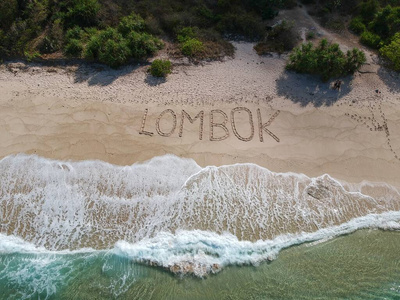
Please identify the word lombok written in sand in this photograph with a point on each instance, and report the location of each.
(216, 119)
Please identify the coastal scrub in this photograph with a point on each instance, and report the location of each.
(325, 60)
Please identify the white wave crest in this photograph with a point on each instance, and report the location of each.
(201, 252)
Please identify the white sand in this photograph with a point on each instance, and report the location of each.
(81, 113)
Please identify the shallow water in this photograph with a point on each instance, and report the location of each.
(362, 265)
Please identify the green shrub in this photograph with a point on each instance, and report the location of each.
(368, 10)
(380, 25)
(392, 52)
(3, 45)
(357, 26)
(354, 60)
(109, 47)
(131, 23)
(326, 60)
(386, 22)
(49, 45)
(310, 35)
(143, 44)
(93, 47)
(192, 47)
(160, 68)
(115, 53)
(8, 12)
(370, 39)
(280, 38)
(30, 56)
(83, 13)
(241, 23)
(74, 33)
(187, 33)
(73, 48)
(53, 41)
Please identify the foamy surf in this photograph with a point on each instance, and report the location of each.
(201, 252)
(170, 212)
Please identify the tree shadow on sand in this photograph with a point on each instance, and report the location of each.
(154, 81)
(305, 89)
(97, 74)
(390, 78)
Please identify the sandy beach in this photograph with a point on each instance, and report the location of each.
(92, 112)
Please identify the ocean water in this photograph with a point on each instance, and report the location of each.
(169, 229)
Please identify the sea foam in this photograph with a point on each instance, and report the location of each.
(172, 213)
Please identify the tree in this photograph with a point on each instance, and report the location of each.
(392, 52)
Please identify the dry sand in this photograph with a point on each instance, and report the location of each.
(83, 112)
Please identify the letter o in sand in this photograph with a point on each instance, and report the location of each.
(173, 125)
(236, 109)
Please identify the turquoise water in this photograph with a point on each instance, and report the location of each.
(362, 265)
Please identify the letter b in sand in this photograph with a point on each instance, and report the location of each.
(220, 125)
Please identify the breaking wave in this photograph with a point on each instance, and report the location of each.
(170, 212)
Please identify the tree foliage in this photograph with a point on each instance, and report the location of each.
(325, 60)
(392, 52)
(378, 23)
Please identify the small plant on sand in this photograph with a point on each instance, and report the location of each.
(326, 60)
(160, 68)
(310, 35)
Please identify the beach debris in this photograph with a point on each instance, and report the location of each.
(337, 85)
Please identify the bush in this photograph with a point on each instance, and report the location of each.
(386, 22)
(357, 26)
(370, 39)
(187, 33)
(368, 10)
(192, 47)
(241, 23)
(93, 47)
(83, 13)
(8, 12)
(30, 56)
(392, 52)
(48, 45)
(115, 53)
(280, 38)
(3, 45)
(326, 60)
(160, 68)
(143, 44)
(53, 41)
(73, 48)
(109, 47)
(131, 23)
(74, 33)
(310, 35)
